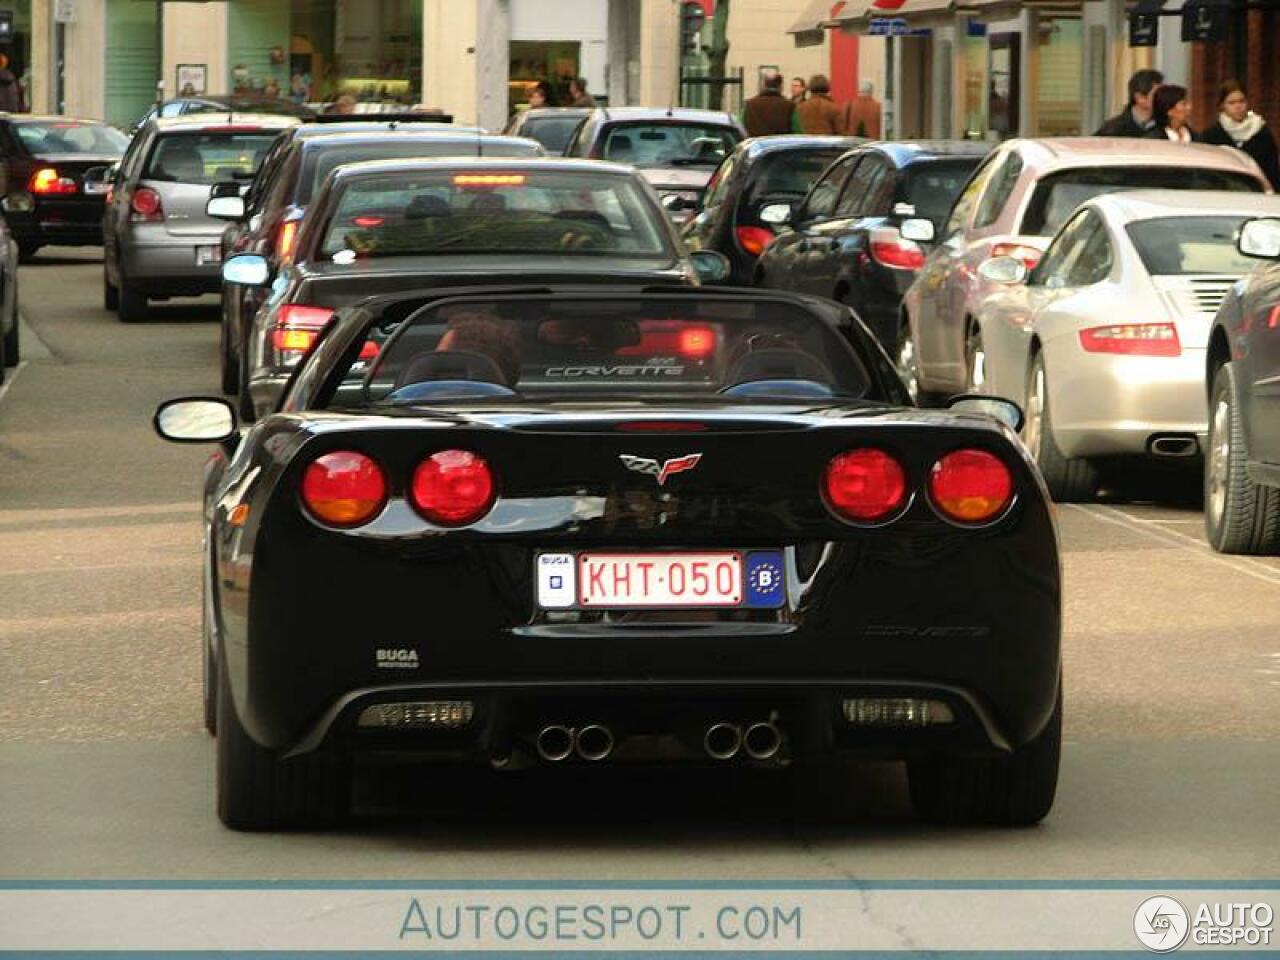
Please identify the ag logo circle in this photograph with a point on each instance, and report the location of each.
(1161, 924)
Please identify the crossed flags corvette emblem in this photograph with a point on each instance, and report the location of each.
(660, 470)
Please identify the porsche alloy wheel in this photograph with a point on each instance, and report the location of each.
(1070, 479)
(1014, 790)
(1240, 516)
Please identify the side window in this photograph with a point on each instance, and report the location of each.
(129, 163)
(959, 217)
(863, 188)
(1003, 180)
(172, 109)
(821, 201)
(718, 188)
(1093, 263)
(1053, 268)
(256, 195)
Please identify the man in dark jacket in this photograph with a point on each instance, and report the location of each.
(820, 114)
(1135, 120)
(769, 112)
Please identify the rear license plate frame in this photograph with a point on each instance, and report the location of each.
(96, 188)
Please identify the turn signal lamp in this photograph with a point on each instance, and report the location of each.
(344, 488)
(453, 488)
(865, 485)
(46, 182)
(753, 240)
(970, 486)
(1133, 339)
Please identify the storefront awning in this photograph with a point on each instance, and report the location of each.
(808, 28)
(856, 17)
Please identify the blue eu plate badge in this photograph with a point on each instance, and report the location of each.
(766, 585)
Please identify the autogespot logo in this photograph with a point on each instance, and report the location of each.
(1161, 924)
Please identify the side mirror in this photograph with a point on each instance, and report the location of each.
(711, 265)
(225, 208)
(195, 420)
(776, 214)
(97, 175)
(1008, 271)
(228, 188)
(998, 408)
(1260, 238)
(246, 269)
(676, 203)
(918, 230)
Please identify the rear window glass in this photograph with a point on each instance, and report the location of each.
(931, 188)
(319, 163)
(1058, 194)
(1174, 246)
(207, 157)
(668, 144)
(552, 132)
(538, 348)
(69, 136)
(789, 174)
(574, 213)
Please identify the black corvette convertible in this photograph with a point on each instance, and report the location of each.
(523, 526)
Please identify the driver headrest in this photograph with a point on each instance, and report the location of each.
(450, 365)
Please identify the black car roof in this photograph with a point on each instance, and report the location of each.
(755, 147)
(903, 153)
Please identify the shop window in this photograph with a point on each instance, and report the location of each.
(1061, 40)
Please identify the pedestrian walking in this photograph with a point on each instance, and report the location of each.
(578, 96)
(768, 112)
(1240, 127)
(541, 96)
(820, 114)
(10, 89)
(862, 114)
(799, 90)
(1137, 119)
(1170, 109)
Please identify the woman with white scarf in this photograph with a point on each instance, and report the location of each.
(1240, 127)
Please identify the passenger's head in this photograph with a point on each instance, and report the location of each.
(798, 86)
(818, 83)
(1169, 106)
(1233, 100)
(1142, 86)
(771, 83)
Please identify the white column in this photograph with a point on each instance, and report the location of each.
(492, 61)
(465, 59)
(623, 50)
(659, 68)
(196, 33)
(86, 64)
(1029, 75)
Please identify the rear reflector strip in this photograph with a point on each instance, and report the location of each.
(897, 712)
(437, 714)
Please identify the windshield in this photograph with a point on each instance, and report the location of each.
(70, 136)
(563, 212)
(320, 162)
(553, 132)
(208, 157)
(790, 173)
(1058, 194)
(932, 187)
(668, 144)
(1175, 246)
(539, 348)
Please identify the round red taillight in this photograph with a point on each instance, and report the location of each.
(146, 202)
(344, 488)
(453, 488)
(865, 485)
(970, 486)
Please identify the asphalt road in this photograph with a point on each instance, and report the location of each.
(1171, 767)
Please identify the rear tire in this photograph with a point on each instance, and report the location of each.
(258, 790)
(230, 365)
(27, 251)
(1240, 516)
(12, 352)
(1070, 479)
(110, 295)
(131, 303)
(1015, 790)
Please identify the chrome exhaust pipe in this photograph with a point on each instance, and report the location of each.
(762, 741)
(594, 742)
(1174, 446)
(722, 741)
(555, 743)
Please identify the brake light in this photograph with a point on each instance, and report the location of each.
(970, 486)
(890, 249)
(1029, 256)
(344, 488)
(368, 350)
(753, 240)
(661, 426)
(286, 238)
(453, 488)
(368, 222)
(696, 343)
(1133, 339)
(865, 485)
(146, 205)
(46, 182)
(489, 180)
(296, 330)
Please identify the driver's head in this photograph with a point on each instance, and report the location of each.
(479, 331)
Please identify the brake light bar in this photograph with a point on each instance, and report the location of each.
(1133, 339)
(489, 180)
(47, 181)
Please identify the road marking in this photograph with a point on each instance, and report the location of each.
(13, 375)
(1180, 541)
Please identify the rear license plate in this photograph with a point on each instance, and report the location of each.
(207, 255)
(96, 186)
(709, 579)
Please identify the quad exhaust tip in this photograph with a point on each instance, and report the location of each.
(762, 741)
(594, 742)
(555, 743)
(722, 741)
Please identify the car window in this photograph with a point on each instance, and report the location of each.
(958, 219)
(452, 212)
(70, 136)
(718, 185)
(205, 157)
(266, 178)
(1056, 262)
(1093, 262)
(668, 144)
(172, 109)
(997, 194)
(821, 201)
(788, 175)
(930, 187)
(1178, 246)
(863, 188)
(1057, 194)
(552, 131)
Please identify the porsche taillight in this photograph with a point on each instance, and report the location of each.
(453, 488)
(1133, 339)
(866, 485)
(344, 488)
(970, 486)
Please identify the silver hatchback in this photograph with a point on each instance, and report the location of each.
(158, 240)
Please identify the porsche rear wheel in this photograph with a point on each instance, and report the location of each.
(1070, 479)
(257, 789)
(1240, 516)
(1015, 790)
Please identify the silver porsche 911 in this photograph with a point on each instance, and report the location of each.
(1104, 341)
